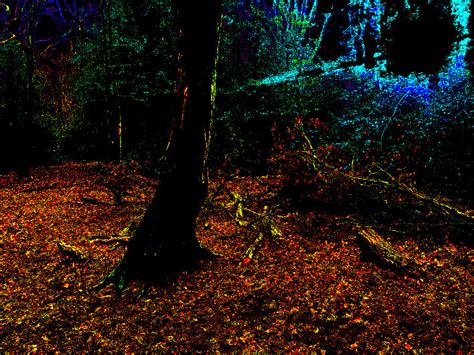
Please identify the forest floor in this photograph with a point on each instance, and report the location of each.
(283, 281)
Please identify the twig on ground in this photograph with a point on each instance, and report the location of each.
(71, 252)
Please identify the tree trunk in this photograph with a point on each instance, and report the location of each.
(165, 239)
(26, 134)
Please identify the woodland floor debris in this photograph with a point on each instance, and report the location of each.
(304, 288)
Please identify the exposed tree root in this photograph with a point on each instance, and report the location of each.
(116, 277)
(154, 267)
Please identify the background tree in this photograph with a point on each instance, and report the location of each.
(19, 20)
(35, 38)
(125, 72)
(165, 239)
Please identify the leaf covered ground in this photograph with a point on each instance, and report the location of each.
(285, 280)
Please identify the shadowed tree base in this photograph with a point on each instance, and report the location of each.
(165, 241)
(156, 267)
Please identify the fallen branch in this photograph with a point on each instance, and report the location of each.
(263, 224)
(442, 207)
(249, 253)
(122, 237)
(111, 240)
(422, 200)
(71, 252)
(375, 247)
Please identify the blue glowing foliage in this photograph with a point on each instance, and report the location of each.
(349, 81)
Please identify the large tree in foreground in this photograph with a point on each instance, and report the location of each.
(165, 239)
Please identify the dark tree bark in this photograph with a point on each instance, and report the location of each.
(165, 239)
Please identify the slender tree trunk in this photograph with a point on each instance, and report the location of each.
(109, 101)
(26, 136)
(165, 240)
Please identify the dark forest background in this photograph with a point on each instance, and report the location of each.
(87, 80)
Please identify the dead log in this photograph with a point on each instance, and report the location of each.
(375, 248)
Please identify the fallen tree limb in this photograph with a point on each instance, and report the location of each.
(421, 199)
(411, 191)
(260, 223)
(263, 224)
(249, 253)
(373, 246)
(122, 237)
